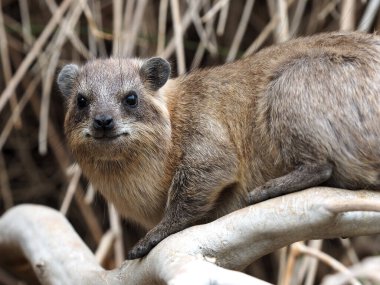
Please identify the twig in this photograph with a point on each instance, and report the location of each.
(104, 246)
(282, 29)
(128, 24)
(100, 47)
(29, 92)
(55, 142)
(271, 7)
(347, 16)
(296, 21)
(265, 33)
(90, 194)
(92, 24)
(6, 192)
(327, 10)
(128, 15)
(88, 215)
(201, 47)
(262, 37)
(282, 264)
(178, 34)
(49, 75)
(186, 21)
(313, 262)
(71, 190)
(203, 35)
(116, 229)
(17, 27)
(350, 251)
(6, 64)
(302, 269)
(214, 10)
(247, 10)
(369, 15)
(130, 42)
(25, 22)
(34, 52)
(162, 16)
(117, 10)
(42, 57)
(327, 259)
(222, 19)
(74, 39)
(290, 264)
(367, 270)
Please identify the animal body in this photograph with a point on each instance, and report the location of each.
(170, 153)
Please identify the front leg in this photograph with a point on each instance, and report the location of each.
(193, 193)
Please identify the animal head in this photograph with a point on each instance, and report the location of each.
(114, 107)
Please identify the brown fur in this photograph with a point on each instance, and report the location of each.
(292, 116)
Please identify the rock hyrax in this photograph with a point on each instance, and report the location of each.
(170, 153)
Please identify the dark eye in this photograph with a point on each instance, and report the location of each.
(82, 102)
(131, 99)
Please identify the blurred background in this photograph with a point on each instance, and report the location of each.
(37, 37)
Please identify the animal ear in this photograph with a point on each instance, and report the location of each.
(66, 78)
(155, 72)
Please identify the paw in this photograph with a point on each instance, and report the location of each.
(143, 247)
(138, 251)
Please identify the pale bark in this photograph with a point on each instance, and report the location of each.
(197, 255)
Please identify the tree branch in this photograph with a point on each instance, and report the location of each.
(57, 253)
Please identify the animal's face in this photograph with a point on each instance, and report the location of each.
(114, 108)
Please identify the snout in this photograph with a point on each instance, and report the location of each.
(103, 127)
(103, 122)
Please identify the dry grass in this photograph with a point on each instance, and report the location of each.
(37, 37)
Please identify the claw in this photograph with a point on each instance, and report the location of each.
(142, 248)
(135, 253)
(152, 238)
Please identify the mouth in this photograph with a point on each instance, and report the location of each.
(106, 137)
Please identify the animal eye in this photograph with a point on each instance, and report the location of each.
(131, 99)
(82, 102)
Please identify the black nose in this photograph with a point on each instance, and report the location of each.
(104, 122)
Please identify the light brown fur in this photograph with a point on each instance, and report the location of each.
(292, 116)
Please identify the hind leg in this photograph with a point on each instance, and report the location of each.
(304, 176)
